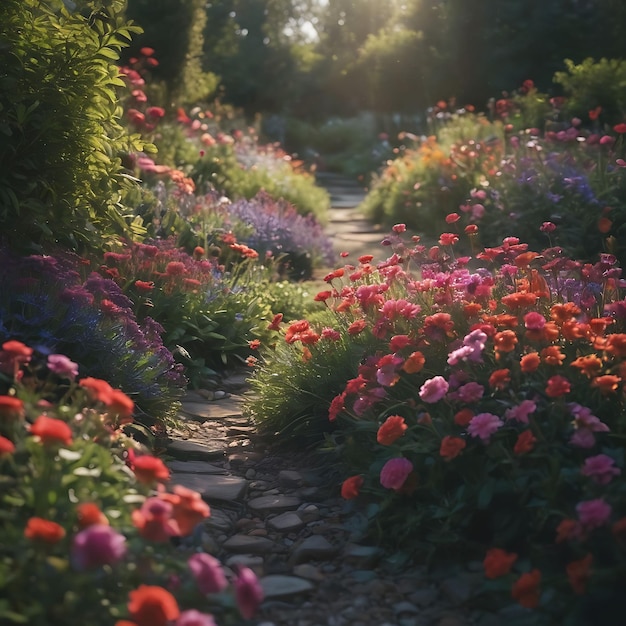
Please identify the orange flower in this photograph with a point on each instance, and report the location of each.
(89, 514)
(356, 327)
(562, 312)
(351, 487)
(149, 469)
(519, 300)
(189, 508)
(552, 355)
(607, 384)
(578, 573)
(525, 442)
(98, 389)
(451, 447)
(121, 406)
(152, 606)
(604, 225)
(390, 430)
(472, 309)
(525, 259)
(571, 330)
(589, 364)
(526, 589)
(51, 431)
(499, 379)
(505, 341)
(616, 344)
(463, 417)
(46, 531)
(498, 562)
(414, 363)
(566, 530)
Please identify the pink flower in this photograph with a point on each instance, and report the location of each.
(195, 618)
(97, 545)
(484, 425)
(434, 389)
(601, 468)
(60, 365)
(534, 321)
(548, 227)
(521, 411)
(471, 392)
(394, 473)
(593, 513)
(248, 592)
(207, 572)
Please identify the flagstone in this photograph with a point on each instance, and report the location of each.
(212, 487)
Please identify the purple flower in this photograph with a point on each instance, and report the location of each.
(601, 468)
(60, 365)
(471, 392)
(434, 389)
(394, 473)
(97, 545)
(521, 411)
(207, 572)
(593, 513)
(248, 592)
(484, 425)
(195, 618)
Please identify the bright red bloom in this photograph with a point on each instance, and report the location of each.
(351, 487)
(336, 406)
(322, 296)
(391, 429)
(498, 562)
(51, 431)
(155, 112)
(149, 469)
(499, 379)
(98, 389)
(525, 442)
(530, 362)
(143, 286)
(526, 589)
(11, 407)
(578, 573)
(13, 354)
(451, 447)
(356, 327)
(620, 128)
(189, 508)
(463, 417)
(152, 606)
(46, 531)
(557, 386)
(89, 514)
(121, 405)
(275, 323)
(6, 446)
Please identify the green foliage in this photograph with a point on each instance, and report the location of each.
(592, 83)
(61, 180)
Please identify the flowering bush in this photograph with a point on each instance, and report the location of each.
(48, 304)
(86, 520)
(488, 409)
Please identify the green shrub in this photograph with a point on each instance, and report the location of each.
(61, 180)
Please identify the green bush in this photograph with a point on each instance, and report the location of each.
(61, 180)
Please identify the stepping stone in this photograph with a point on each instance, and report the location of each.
(196, 450)
(228, 407)
(247, 560)
(274, 503)
(312, 548)
(286, 522)
(211, 487)
(246, 544)
(195, 467)
(290, 478)
(219, 520)
(362, 556)
(279, 586)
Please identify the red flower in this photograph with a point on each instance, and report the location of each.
(463, 417)
(98, 389)
(322, 296)
(121, 405)
(566, 530)
(51, 431)
(149, 469)
(155, 112)
(89, 514)
(451, 447)
(526, 589)
(607, 384)
(498, 562)
(595, 113)
(39, 529)
(525, 442)
(356, 327)
(189, 508)
(351, 487)
(152, 606)
(620, 128)
(390, 430)
(578, 573)
(6, 446)
(414, 363)
(144, 287)
(505, 340)
(11, 408)
(147, 52)
(12, 355)
(530, 362)
(557, 386)
(499, 379)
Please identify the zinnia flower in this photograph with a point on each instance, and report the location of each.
(97, 545)
(395, 472)
(51, 431)
(392, 429)
(189, 508)
(207, 572)
(152, 606)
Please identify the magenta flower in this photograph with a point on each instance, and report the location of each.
(195, 618)
(394, 473)
(97, 545)
(548, 227)
(470, 392)
(534, 321)
(593, 513)
(460, 354)
(60, 365)
(248, 592)
(207, 572)
(521, 411)
(484, 425)
(434, 389)
(601, 468)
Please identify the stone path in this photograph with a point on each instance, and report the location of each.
(281, 513)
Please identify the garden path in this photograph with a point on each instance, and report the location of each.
(280, 513)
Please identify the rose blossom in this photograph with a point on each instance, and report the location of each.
(434, 389)
(207, 572)
(394, 473)
(484, 425)
(97, 545)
